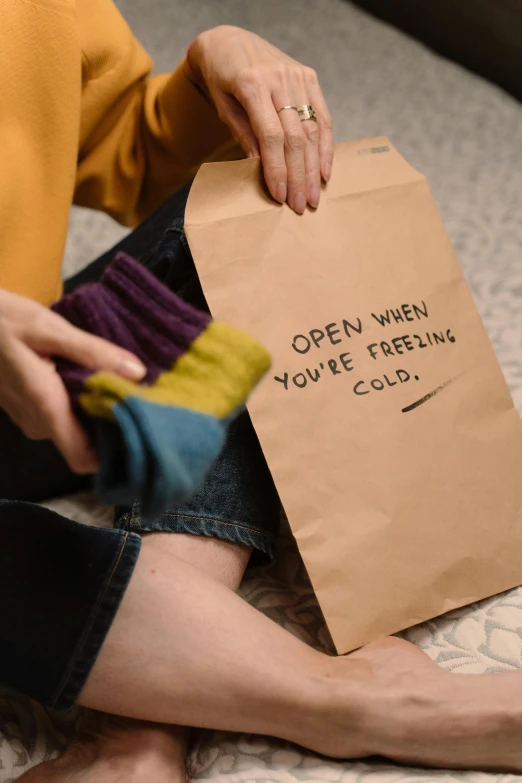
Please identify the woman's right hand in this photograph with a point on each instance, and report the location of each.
(31, 390)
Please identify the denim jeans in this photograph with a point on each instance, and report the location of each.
(62, 582)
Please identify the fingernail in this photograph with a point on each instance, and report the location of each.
(132, 369)
(327, 173)
(300, 203)
(281, 192)
(315, 195)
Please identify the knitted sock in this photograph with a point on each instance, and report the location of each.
(157, 439)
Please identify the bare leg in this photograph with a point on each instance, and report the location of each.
(116, 748)
(197, 654)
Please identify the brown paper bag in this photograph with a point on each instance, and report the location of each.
(385, 420)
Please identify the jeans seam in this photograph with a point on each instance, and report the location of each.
(133, 514)
(219, 521)
(88, 629)
(130, 518)
(172, 228)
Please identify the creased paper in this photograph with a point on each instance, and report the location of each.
(386, 421)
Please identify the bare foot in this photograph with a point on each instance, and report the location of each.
(122, 752)
(413, 711)
(386, 699)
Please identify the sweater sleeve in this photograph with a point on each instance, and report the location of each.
(141, 137)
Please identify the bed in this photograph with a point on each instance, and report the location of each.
(466, 135)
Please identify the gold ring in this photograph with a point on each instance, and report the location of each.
(306, 112)
(287, 107)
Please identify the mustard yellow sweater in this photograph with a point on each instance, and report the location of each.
(82, 121)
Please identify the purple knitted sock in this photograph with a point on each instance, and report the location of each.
(156, 439)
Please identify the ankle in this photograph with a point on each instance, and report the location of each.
(334, 713)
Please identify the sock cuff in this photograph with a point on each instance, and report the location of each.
(138, 288)
(191, 361)
(131, 308)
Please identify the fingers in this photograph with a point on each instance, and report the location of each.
(324, 124)
(68, 435)
(295, 143)
(294, 153)
(40, 406)
(249, 81)
(282, 142)
(312, 164)
(258, 105)
(301, 142)
(56, 336)
(233, 114)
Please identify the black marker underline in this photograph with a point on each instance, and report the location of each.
(426, 397)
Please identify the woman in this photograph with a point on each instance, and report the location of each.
(136, 621)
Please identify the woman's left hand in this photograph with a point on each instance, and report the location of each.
(249, 81)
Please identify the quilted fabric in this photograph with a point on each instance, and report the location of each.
(465, 135)
(485, 637)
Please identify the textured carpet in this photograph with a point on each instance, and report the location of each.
(465, 135)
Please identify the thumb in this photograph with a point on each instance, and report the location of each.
(60, 338)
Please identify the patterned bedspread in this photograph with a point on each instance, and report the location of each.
(466, 136)
(485, 637)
